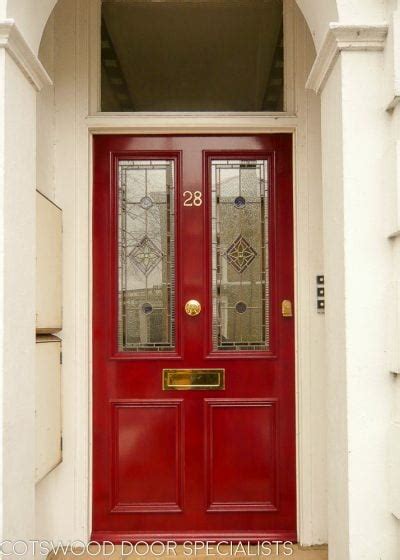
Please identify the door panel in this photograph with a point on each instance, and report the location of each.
(251, 485)
(206, 218)
(138, 427)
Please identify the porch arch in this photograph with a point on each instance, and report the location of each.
(31, 16)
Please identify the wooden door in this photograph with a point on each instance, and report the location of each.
(193, 414)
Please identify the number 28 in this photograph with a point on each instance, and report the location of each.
(192, 198)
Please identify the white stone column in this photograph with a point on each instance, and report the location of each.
(358, 262)
(21, 75)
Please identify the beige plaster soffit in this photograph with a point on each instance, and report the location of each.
(13, 42)
(344, 38)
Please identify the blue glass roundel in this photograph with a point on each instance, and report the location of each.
(147, 308)
(241, 307)
(240, 202)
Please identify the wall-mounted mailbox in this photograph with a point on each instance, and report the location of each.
(48, 266)
(48, 405)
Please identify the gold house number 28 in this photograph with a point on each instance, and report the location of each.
(192, 198)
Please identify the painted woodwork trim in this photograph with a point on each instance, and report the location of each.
(14, 43)
(344, 38)
(187, 123)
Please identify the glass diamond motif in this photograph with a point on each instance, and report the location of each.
(240, 254)
(146, 255)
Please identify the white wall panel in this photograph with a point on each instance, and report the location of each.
(48, 266)
(17, 301)
(48, 405)
(46, 119)
(394, 469)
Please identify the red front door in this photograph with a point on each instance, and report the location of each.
(194, 404)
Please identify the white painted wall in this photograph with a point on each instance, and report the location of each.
(31, 16)
(46, 119)
(312, 482)
(332, 161)
(317, 19)
(17, 299)
(358, 262)
(391, 185)
(68, 483)
(368, 257)
(2, 271)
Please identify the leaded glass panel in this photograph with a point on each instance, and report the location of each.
(240, 277)
(146, 255)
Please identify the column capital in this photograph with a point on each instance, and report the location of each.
(14, 43)
(340, 38)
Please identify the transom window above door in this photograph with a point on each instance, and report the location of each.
(192, 55)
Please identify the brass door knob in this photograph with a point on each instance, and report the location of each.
(193, 307)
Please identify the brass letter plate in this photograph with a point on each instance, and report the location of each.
(193, 379)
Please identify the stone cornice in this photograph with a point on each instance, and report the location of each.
(13, 42)
(344, 38)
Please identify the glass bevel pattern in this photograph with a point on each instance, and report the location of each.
(240, 269)
(146, 282)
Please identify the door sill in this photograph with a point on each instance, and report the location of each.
(234, 537)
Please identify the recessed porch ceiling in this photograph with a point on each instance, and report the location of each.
(191, 55)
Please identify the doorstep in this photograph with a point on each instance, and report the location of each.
(299, 553)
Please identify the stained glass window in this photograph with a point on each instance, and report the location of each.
(240, 255)
(146, 255)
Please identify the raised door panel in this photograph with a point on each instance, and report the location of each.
(147, 465)
(242, 452)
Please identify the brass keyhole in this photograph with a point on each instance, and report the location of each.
(193, 308)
